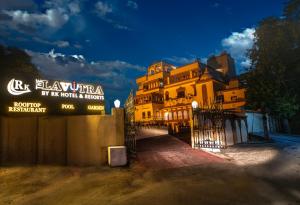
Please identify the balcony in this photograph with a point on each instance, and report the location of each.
(141, 79)
(149, 98)
(178, 101)
(155, 76)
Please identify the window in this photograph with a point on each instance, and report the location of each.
(170, 115)
(179, 115)
(195, 90)
(167, 95)
(185, 114)
(166, 115)
(220, 99)
(149, 114)
(204, 94)
(180, 93)
(234, 98)
(143, 115)
(175, 115)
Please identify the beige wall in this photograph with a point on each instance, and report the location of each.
(65, 140)
(189, 89)
(52, 140)
(150, 107)
(210, 92)
(19, 139)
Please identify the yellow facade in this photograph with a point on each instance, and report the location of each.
(165, 93)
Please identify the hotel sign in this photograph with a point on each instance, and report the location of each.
(28, 107)
(53, 97)
(58, 89)
(17, 87)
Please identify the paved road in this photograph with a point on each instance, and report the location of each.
(166, 151)
(285, 138)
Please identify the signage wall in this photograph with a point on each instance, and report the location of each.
(41, 97)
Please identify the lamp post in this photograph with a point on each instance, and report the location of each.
(117, 103)
(194, 104)
(194, 107)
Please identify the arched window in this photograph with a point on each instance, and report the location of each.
(166, 116)
(185, 115)
(170, 116)
(180, 92)
(167, 95)
(179, 115)
(175, 115)
(204, 95)
(194, 89)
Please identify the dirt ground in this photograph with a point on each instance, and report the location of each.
(232, 182)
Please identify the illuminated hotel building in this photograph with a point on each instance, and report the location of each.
(166, 92)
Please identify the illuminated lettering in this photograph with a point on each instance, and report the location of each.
(16, 87)
(65, 86)
(67, 106)
(95, 107)
(70, 90)
(56, 86)
(27, 107)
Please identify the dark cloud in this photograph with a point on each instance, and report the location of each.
(54, 18)
(181, 60)
(103, 8)
(26, 28)
(132, 4)
(5, 17)
(17, 5)
(105, 11)
(25, 16)
(113, 75)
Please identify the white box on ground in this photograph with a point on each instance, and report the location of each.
(117, 156)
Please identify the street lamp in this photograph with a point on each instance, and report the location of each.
(194, 104)
(117, 103)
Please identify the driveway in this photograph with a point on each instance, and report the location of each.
(278, 158)
(162, 152)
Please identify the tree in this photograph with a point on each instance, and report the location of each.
(14, 63)
(273, 79)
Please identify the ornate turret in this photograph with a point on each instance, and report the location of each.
(206, 75)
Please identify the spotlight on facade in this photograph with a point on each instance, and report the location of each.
(194, 104)
(117, 103)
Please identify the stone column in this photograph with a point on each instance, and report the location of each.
(191, 119)
(118, 114)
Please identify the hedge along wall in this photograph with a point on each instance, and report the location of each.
(62, 140)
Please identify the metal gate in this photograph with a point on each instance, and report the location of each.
(209, 127)
(130, 127)
(130, 139)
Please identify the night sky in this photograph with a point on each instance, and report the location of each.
(112, 42)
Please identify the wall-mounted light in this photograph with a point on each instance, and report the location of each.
(117, 103)
(194, 104)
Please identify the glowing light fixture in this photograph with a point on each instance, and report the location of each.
(117, 103)
(194, 104)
